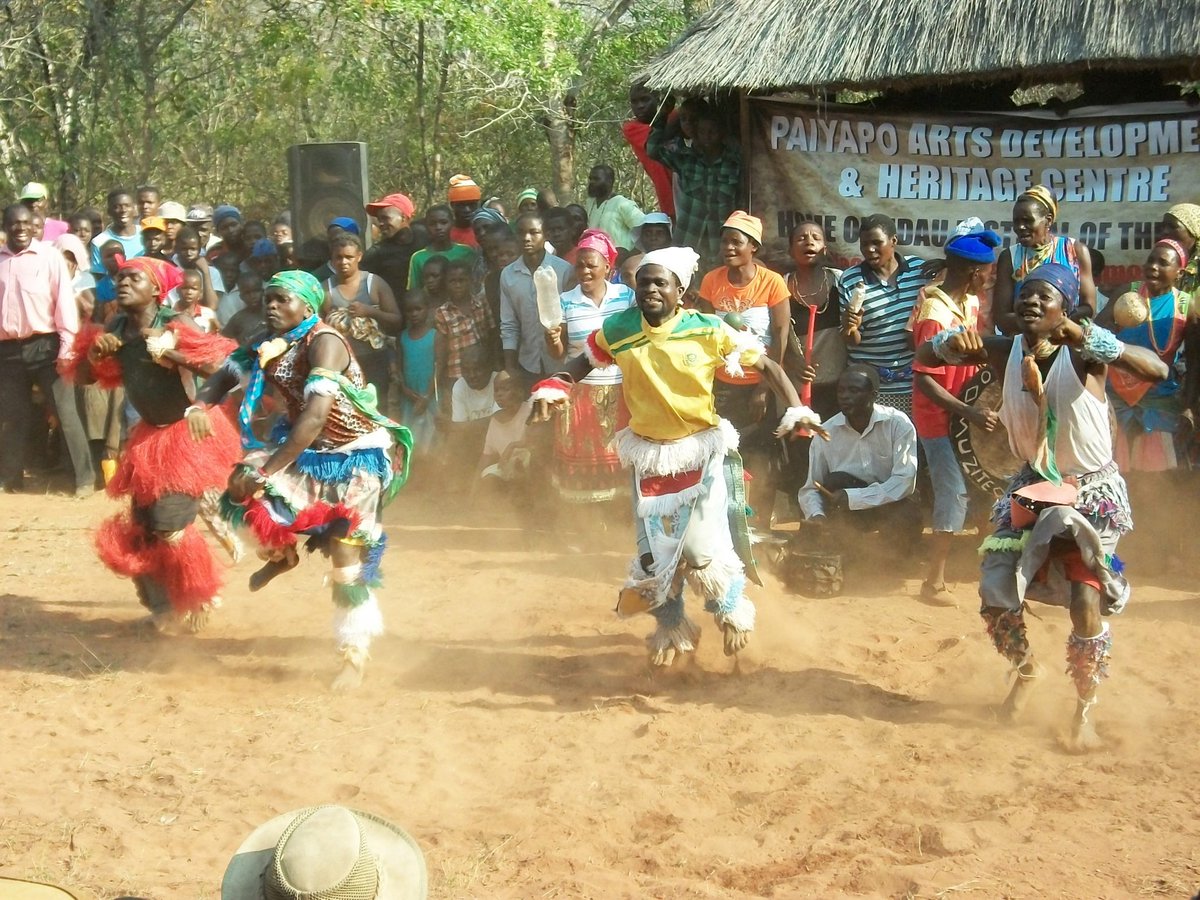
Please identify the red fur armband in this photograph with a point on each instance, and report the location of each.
(105, 372)
(595, 355)
(555, 390)
(200, 348)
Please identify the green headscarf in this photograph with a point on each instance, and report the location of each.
(299, 284)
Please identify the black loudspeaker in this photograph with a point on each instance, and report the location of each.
(327, 181)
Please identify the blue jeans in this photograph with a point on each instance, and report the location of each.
(949, 486)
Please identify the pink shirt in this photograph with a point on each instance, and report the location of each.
(54, 228)
(37, 297)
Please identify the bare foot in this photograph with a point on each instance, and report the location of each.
(198, 619)
(735, 641)
(273, 568)
(668, 643)
(663, 657)
(1083, 737)
(354, 661)
(159, 624)
(1018, 697)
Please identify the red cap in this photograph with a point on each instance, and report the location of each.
(396, 201)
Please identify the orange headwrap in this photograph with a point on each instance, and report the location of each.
(165, 276)
(749, 225)
(463, 187)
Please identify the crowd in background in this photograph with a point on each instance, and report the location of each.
(455, 311)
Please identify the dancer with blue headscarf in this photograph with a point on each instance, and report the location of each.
(332, 464)
(1067, 505)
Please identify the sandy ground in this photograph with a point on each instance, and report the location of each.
(509, 721)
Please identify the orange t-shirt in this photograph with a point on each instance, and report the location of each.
(752, 301)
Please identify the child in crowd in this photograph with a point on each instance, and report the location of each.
(154, 238)
(189, 294)
(248, 321)
(472, 402)
(415, 379)
(506, 454)
(463, 321)
(438, 222)
(81, 226)
(188, 256)
(106, 287)
(433, 281)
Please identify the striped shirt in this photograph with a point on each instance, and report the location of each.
(582, 317)
(886, 344)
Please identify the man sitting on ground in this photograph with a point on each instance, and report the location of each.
(862, 479)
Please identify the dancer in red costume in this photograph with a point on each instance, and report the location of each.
(156, 355)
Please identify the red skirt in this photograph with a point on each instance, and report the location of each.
(586, 465)
(167, 460)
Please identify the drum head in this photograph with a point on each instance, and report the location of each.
(986, 460)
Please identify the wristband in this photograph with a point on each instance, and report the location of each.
(554, 389)
(1099, 344)
(797, 416)
(195, 407)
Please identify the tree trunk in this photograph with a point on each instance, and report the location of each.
(560, 132)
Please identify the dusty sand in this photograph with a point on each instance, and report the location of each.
(510, 723)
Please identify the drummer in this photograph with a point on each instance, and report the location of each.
(1057, 417)
(953, 303)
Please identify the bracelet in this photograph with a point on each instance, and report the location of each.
(195, 407)
(940, 342)
(1099, 344)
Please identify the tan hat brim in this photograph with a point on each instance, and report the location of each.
(18, 889)
(403, 865)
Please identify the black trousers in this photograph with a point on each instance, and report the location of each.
(22, 365)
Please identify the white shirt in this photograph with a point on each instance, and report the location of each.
(501, 435)
(884, 456)
(468, 404)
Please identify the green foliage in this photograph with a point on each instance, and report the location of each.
(203, 97)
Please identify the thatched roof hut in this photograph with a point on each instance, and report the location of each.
(773, 45)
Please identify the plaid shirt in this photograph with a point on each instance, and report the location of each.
(707, 192)
(463, 329)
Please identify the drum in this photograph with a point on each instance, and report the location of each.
(986, 460)
(813, 574)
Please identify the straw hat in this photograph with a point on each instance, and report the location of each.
(17, 889)
(326, 852)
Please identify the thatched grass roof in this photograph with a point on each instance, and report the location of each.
(766, 45)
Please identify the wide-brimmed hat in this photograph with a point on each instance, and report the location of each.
(172, 211)
(19, 889)
(329, 852)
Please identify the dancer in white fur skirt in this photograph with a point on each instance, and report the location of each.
(677, 447)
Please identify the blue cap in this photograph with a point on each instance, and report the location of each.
(346, 224)
(978, 247)
(225, 211)
(263, 247)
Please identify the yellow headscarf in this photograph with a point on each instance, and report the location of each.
(1042, 195)
(1188, 215)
